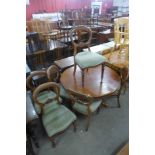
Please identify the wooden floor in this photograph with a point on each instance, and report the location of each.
(124, 150)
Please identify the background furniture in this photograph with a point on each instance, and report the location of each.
(121, 33)
(120, 63)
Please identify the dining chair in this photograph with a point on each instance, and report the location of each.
(56, 118)
(35, 79)
(121, 33)
(85, 59)
(84, 104)
(53, 75)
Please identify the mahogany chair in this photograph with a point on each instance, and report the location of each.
(56, 118)
(35, 79)
(53, 75)
(84, 104)
(85, 59)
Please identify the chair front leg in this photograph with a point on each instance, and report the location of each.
(102, 72)
(118, 102)
(88, 122)
(98, 109)
(74, 125)
(53, 141)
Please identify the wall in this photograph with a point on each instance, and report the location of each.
(57, 5)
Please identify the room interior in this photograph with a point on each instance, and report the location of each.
(77, 77)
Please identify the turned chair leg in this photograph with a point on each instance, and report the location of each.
(74, 69)
(82, 71)
(88, 122)
(124, 88)
(53, 142)
(102, 72)
(118, 102)
(98, 110)
(74, 125)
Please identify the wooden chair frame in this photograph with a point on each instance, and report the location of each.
(53, 74)
(82, 45)
(56, 88)
(88, 100)
(29, 79)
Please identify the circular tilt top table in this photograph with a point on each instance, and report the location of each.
(92, 85)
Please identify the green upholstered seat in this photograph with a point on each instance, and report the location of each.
(100, 49)
(89, 59)
(57, 118)
(43, 96)
(84, 108)
(63, 92)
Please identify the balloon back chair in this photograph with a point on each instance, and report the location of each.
(53, 75)
(40, 77)
(56, 118)
(84, 104)
(85, 59)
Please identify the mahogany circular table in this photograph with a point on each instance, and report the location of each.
(92, 81)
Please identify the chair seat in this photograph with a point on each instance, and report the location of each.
(100, 49)
(43, 96)
(84, 108)
(89, 59)
(63, 92)
(57, 118)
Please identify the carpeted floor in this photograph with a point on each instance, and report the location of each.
(108, 132)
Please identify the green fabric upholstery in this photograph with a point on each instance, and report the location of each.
(63, 92)
(110, 44)
(42, 98)
(89, 59)
(100, 49)
(57, 118)
(84, 109)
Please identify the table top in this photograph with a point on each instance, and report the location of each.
(64, 63)
(92, 84)
(124, 150)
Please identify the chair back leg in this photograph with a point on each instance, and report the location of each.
(74, 125)
(74, 69)
(102, 72)
(82, 72)
(53, 142)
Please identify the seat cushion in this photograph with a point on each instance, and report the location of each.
(84, 109)
(89, 59)
(63, 92)
(100, 49)
(43, 96)
(57, 119)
